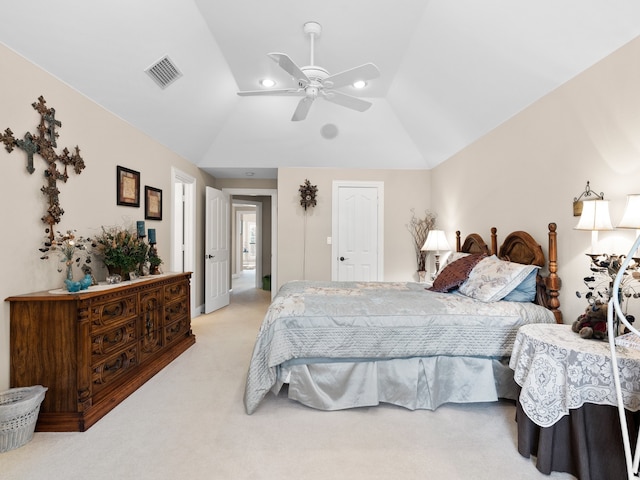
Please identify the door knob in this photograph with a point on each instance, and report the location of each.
(342, 259)
(209, 256)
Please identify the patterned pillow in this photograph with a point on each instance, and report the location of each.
(492, 279)
(455, 273)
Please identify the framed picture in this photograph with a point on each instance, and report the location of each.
(152, 203)
(128, 182)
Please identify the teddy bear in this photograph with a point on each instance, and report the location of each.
(593, 322)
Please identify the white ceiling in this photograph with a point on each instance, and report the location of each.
(451, 70)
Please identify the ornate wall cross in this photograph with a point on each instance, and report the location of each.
(44, 144)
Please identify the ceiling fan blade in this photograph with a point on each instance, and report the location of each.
(363, 72)
(290, 67)
(282, 91)
(303, 108)
(346, 100)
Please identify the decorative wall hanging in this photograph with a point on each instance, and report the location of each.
(577, 202)
(128, 182)
(43, 143)
(152, 203)
(308, 194)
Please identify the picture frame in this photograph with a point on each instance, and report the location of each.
(152, 203)
(128, 187)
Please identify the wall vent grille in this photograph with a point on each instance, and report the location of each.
(164, 72)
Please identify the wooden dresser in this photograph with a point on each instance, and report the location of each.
(93, 349)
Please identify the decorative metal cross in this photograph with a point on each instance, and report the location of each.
(44, 144)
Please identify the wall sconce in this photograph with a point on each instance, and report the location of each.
(594, 217)
(578, 203)
(436, 242)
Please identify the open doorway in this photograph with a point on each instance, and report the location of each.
(265, 201)
(246, 244)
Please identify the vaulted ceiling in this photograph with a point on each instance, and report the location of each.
(451, 70)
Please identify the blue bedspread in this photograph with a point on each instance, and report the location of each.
(381, 320)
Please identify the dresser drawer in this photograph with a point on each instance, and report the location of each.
(113, 339)
(175, 310)
(177, 330)
(113, 367)
(112, 311)
(176, 291)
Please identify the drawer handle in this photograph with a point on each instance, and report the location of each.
(117, 365)
(117, 338)
(115, 311)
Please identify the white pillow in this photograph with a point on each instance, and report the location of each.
(492, 279)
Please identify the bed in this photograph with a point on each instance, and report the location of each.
(339, 345)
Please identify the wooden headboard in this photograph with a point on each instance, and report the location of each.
(521, 247)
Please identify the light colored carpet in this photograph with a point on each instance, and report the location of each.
(188, 422)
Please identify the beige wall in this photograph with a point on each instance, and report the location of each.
(88, 199)
(527, 172)
(403, 190)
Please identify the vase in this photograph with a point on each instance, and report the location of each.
(116, 274)
(69, 272)
(422, 275)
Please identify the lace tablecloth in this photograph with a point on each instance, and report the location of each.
(558, 371)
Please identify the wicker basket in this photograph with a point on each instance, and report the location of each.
(19, 408)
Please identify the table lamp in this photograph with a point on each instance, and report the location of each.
(631, 215)
(436, 242)
(594, 217)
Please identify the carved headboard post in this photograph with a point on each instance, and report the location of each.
(552, 282)
(458, 244)
(494, 241)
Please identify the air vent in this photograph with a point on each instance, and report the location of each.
(164, 72)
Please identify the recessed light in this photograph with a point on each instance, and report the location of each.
(249, 174)
(359, 84)
(267, 82)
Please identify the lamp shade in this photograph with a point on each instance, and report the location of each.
(436, 242)
(595, 216)
(631, 215)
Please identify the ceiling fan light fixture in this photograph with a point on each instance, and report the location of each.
(267, 82)
(359, 84)
(313, 81)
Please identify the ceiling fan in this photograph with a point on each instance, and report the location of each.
(314, 81)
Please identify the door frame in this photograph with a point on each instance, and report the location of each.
(183, 227)
(337, 184)
(265, 192)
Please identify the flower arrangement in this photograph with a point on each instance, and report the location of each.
(419, 228)
(69, 247)
(120, 249)
(154, 260)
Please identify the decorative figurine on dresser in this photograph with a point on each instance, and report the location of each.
(94, 348)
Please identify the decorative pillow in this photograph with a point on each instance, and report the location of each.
(455, 273)
(452, 257)
(526, 291)
(492, 279)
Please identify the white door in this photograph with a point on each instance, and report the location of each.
(216, 255)
(357, 233)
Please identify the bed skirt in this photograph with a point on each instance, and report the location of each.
(413, 383)
(587, 443)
